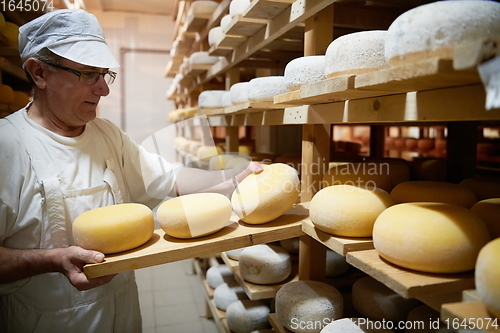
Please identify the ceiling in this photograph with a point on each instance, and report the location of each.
(157, 7)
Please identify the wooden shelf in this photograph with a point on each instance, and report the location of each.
(161, 248)
(407, 283)
(341, 245)
(267, 9)
(275, 323)
(232, 264)
(264, 291)
(469, 316)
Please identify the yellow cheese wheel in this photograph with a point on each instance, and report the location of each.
(6, 94)
(114, 228)
(346, 210)
(262, 197)
(11, 31)
(483, 187)
(487, 276)
(430, 237)
(21, 99)
(489, 211)
(194, 215)
(432, 191)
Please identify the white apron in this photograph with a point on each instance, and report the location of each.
(48, 302)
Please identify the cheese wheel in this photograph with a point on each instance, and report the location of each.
(202, 8)
(224, 22)
(245, 316)
(239, 93)
(263, 197)
(194, 215)
(382, 173)
(306, 306)
(304, 70)
(202, 57)
(11, 32)
(115, 228)
(6, 94)
(235, 254)
(353, 325)
(432, 191)
(487, 276)
(265, 264)
(430, 237)
(215, 35)
(426, 316)
(435, 29)
(225, 294)
(375, 301)
(226, 99)
(433, 169)
(356, 53)
(237, 7)
(210, 98)
(263, 89)
(2, 22)
(292, 245)
(483, 187)
(348, 211)
(489, 211)
(217, 275)
(336, 264)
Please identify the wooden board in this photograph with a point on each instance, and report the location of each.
(264, 291)
(232, 264)
(161, 248)
(469, 316)
(251, 107)
(341, 245)
(267, 9)
(407, 283)
(241, 26)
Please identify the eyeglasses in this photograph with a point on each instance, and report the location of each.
(88, 77)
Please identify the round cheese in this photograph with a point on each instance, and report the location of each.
(375, 301)
(336, 264)
(6, 94)
(306, 306)
(487, 276)
(263, 197)
(217, 275)
(433, 169)
(215, 35)
(11, 32)
(353, 325)
(432, 191)
(202, 57)
(356, 53)
(430, 237)
(235, 254)
(426, 316)
(237, 7)
(224, 22)
(245, 316)
(265, 264)
(226, 99)
(304, 70)
(239, 93)
(225, 294)
(263, 89)
(210, 98)
(348, 211)
(382, 173)
(194, 215)
(292, 245)
(202, 8)
(115, 228)
(483, 187)
(435, 29)
(489, 211)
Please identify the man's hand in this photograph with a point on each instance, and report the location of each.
(72, 261)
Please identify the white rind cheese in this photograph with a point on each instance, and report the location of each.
(210, 98)
(202, 57)
(237, 7)
(336, 264)
(225, 294)
(202, 8)
(217, 275)
(435, 29)
(304, 70)
(356, 53)
(265, 264)
(238, 93)
(430, 237)
(263, 89)
(246, 316)
(215, 35)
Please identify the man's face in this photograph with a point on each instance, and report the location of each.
(73, 102)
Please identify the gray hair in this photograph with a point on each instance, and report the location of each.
(46, 56)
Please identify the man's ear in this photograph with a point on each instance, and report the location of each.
(34, 68)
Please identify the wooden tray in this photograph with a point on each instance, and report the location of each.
(469, 316)
(407, 283)
(161, 248)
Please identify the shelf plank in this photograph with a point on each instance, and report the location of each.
(161, 248)
(249, 107)
(341, 245)
(246, 27)
(264, 291)
(462, 315)
(267, 9)
(407, 283)
(231, 263)
(276, 324)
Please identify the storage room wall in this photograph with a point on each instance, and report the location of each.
(141, 43)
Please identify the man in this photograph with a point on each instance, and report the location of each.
(59, 160)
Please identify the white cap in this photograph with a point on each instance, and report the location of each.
(73, 34)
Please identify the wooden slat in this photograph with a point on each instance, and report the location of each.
(267, 9)
(407, 283)
(469, 316)
(161, 248)
(251, 107)
(341, 245)
(231, 263)
(264, 291)
(247, 27)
